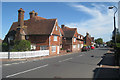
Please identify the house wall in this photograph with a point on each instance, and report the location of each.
(67, 44)
(88, 41)
(75, 44)
(52, 43)
(39, 40)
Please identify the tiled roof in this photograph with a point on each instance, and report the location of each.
(69, 32)
(36, 26)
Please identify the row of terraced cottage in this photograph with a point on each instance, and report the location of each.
(45, 34)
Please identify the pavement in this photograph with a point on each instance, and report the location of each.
(89, 64)
(107, 68)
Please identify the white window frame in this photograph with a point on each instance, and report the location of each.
(81, 37)
(53, 49)
(74, 46)
(43, 47)
(78, 45)
(74, 39)
(33, 47)
(55, 38)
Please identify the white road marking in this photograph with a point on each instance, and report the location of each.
(7, 64)
(26, 71)
(15, 63)
(65, 59)
(79, 55)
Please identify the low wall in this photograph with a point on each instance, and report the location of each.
(27, 54)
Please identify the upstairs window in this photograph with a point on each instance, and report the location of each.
(55, 38)
(74, 46)
(81, 37)
(74, 39)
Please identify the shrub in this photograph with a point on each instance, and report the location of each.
(22, 45)
(4, 47)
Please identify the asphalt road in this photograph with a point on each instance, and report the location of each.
(77, 65)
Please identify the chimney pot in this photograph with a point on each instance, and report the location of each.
(36, 14)
(62, 26)
(32, 14)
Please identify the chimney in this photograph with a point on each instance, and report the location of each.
(36, 14)
(62, 26)
(21, 17)
(32, 14)
(87, 33)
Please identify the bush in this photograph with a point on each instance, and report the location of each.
(61, 48)
(22, 45)
(4, 47)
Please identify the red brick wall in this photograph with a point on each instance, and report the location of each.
(55, 43)
(88, 41)
(39, 40)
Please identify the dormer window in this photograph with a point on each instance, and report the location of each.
(81, 37)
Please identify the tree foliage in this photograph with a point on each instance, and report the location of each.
(99, 41)
(22, 45)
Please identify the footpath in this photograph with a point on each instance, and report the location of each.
(107, 67)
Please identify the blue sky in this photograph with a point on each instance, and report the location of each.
(92, 17)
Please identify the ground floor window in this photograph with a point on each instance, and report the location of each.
(78, 45)
(43, 47)
(33, 47)
(74, 46)
(53, 48)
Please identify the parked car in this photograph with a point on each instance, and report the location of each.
(92, 47)
(89, 48)
(84, 48)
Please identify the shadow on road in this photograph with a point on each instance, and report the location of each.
(106, 68)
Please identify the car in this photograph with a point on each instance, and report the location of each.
(84, 48)
(89, 48)
(92, 47)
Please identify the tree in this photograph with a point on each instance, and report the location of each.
(22, 45)
(110, 43)
(99, 41)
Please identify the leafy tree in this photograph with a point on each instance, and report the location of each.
(110, 43)
(99, 41)
(22, 45)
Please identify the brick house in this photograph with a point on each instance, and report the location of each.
(44, 34)
(80, 41)
(70, 39)
(88, 39)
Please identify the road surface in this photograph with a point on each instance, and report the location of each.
(77, 65)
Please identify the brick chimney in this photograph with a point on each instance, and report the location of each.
(36, 14)
(21, 17)
(32, 14)
(62, 26)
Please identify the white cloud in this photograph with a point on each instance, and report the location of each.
(101, 25)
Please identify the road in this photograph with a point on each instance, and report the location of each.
(77, 65)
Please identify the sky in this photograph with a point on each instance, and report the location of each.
(92, 17)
